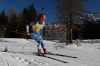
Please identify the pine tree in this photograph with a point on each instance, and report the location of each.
(28, 15)
(13, 22)
(68, 12)
(3, 24)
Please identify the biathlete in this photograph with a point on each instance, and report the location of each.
(36, 27)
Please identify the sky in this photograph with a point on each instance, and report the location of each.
(20, 4)
(92, 5)
(47, 4)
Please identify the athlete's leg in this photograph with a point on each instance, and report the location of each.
(35, 37)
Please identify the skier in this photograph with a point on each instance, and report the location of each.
(36, 27)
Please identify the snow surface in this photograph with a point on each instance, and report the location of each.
(21, 52)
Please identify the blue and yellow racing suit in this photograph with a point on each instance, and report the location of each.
(36, 28)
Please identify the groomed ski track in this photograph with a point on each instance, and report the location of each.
(20, 53)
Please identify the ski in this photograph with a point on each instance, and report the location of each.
(53, 58)
(61, 55)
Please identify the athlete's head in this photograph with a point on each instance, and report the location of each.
(42, 17)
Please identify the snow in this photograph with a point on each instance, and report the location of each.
(21, 52)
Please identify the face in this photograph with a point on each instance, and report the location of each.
(42, 18)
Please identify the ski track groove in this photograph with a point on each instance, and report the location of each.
(11, 61)
(4, 60)
(40, 60)
(26, 60)
(34, 60)
(17, 58)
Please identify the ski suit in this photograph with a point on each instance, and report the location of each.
(36, 28)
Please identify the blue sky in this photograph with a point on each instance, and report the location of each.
(20, 4)
(47, 4)
(93, 5)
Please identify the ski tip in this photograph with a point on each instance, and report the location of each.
(65, 62)
(74, 57)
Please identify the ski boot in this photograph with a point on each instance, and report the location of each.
(40, 53)
(46, 52)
